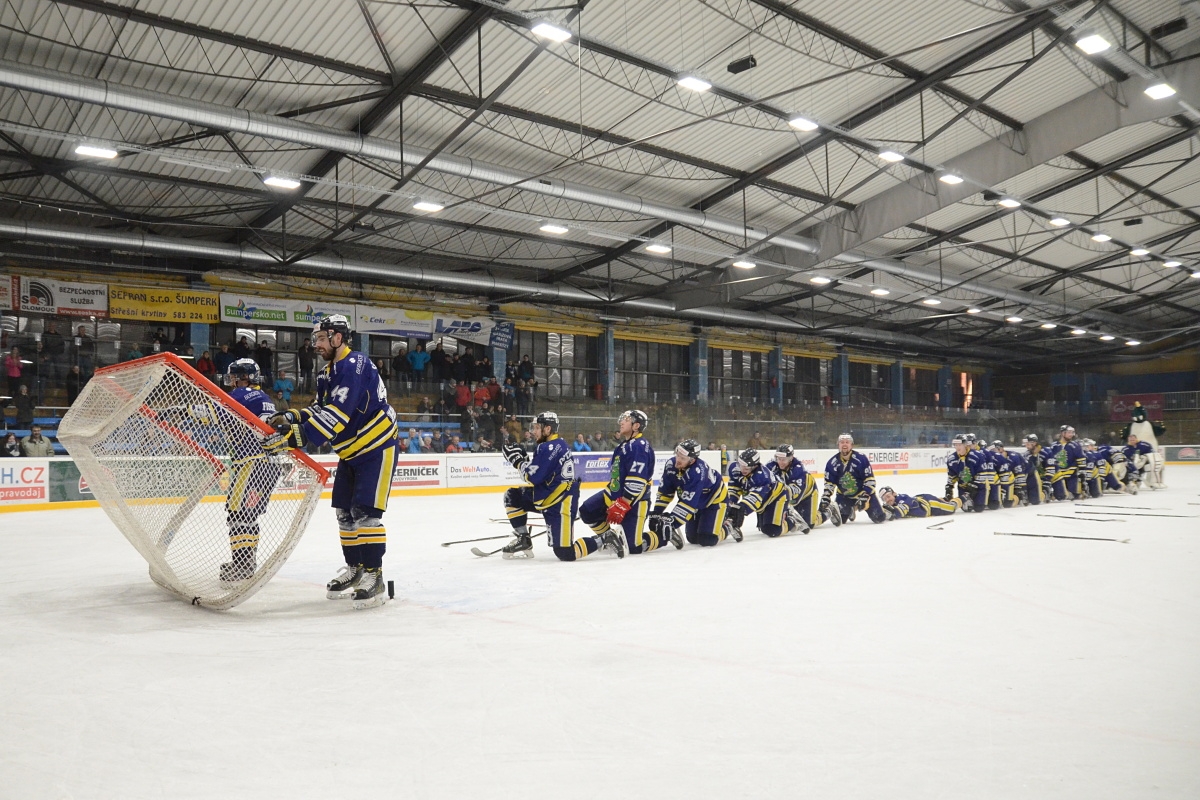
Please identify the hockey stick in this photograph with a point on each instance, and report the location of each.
(938, 525)
(489, 538)
(1081, 519)
(1140, 508)
(1055, 536)
(482, 554)
(1132, 514)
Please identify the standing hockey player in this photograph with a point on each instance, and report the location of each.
(351, 413)
(801, 487)
(625, 502)
(849, 473)
(899, 506)
(1039, 471)
(700, 510)
(553, 491)
(758, 490)
(963, 468)
(252, 476)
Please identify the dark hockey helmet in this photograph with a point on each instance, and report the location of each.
(548, 419)
(334, 323)
(785, 451)
(638, 417)
(748, 459)
(688, 448)
(885, 490)
(244, 369)
(969, 438)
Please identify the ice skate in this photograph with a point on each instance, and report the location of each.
(835, 514)
(732, 532)
(853, 511)
(241, 568)
(342, 587)
(371, 591)
(796, 522)
(676, 537)
(522, 547)
(614, 540)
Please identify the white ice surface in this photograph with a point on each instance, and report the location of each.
(870, 661)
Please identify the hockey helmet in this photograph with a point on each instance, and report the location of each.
(334, 323)
(637, 417)
(244, 369)
(959, 438)
(1030, 438)
(845, 436)
(998, 444)
(748, 459)
(785, 451)
(885, 490)
(548, 419)
(1067, 429)
(688, 448)
(969, 438)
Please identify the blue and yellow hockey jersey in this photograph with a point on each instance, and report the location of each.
(351, 410)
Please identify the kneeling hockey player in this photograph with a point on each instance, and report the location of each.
(849, 473)
(801, 487)
(625, 502)
(701, 491)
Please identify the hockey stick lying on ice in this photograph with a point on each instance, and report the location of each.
(1081, 519)
(937, 526)
(1139, 514)
(1055, 536)
(482, 538)
(1139, 508)
(485, 554)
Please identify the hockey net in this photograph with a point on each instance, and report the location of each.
(179, 467)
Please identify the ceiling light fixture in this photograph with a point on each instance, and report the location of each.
(803, 124)
(281, 183)
(950, 178)
(694, 84)
(891, 156)
(931, 301)
(744, 264)
(1014, 319)
(95, 151)
(1093, 44)
(1132, 342)
(551, 227)
(820, 280)
(1139, 251)
(1107, 338)
(1172, 263)
(661, 249)
(1048, 326)
(974, 310)
(881, 292)
(1060, 222)
(550, 31)
(1078, 331)
(1196, 274)
(1101, 237)
(428, 205)
(1009, 202)
(1159, 91)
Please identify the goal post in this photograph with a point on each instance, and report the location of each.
(179, 468)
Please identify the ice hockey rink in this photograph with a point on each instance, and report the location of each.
(867, 661)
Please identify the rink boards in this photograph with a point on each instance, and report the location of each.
(29, 484)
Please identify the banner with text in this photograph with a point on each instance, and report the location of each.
(24, 480)
(10, 287)
(48, 296)
(1123, 405)
(393, 322)
(249, 310)
(475, 329)
(158, 305)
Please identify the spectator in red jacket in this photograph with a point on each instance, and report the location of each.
(462, 396)
(482, 395)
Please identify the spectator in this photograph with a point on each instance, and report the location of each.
(455, 445)
(283, 384)
(532, 386)
(484, 420)
(523, 398)
(35, 445)
(525, 369)
(419, 359)
(483, 445)
(160, 340)
(56, 348)
(424, 409)
(85, 352)
(414, 441)
(25, 404)
(13, 368)
(497, 424)
(514, 428)
(401, 372)
(306, 361)
(597, 441)
(10, 448)
(458, 369)
(581, 445)
(439, 362)
(265, 360)
(427, 443)
(484, 368)
(241, 349)
(41, 369)
(468, 428)
(134, 353)
(494, 390)
(436, 442)
(482, 396)
(222, 360)
(462, 396)
(467, 357)
(206, 367)
(756, 442)
(281, 402)
(75, 382)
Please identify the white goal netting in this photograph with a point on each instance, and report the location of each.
(179, 468)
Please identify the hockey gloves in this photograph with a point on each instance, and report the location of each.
(617, 511)
(287, 436)
(515, 454)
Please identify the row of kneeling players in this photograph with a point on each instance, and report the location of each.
(695, 503)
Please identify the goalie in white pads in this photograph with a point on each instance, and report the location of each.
(352, 413)
(553, 491)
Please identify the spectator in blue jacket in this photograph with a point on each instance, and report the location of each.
(580, 444)
(284, 384)
(419, 359)
(414, 441)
